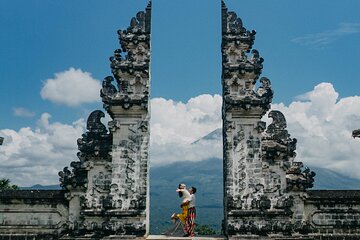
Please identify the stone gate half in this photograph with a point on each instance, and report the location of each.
(106, 193)
(109, 186)
(265, 189)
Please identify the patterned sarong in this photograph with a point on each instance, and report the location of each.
(190, 222)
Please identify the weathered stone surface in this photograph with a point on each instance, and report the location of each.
(163, 237)
(130, 66)
(333, 212)
(265, 188)
(128, 107)
(249, 191)
(106, 191)
(31, 214)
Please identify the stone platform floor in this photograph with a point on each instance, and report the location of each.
(162, 237)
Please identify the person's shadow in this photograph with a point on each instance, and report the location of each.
(176, 230)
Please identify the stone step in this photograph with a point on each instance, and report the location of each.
(162, 237)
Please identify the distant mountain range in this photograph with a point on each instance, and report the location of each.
(42, 187)
(330, 180)
(214, 135)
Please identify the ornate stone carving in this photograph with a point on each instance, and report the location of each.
(299, 179)
(262, 203)
(259, 167)
(276, 142)
(233, 30)
(75, 178)
(94, 145)
(242, 110)
(241, 71)
(278, 146)
(66, 177)
(125, 96)
(130, 66)
(96, 142)
(108, 89)
(102, 181)
(85, 182)
(284, 202)
(265, 91)
(356, 133)
(253, 145)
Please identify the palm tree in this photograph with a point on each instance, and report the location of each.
(5, 184)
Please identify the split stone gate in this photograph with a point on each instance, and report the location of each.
(106, 193)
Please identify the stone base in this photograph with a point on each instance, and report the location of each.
(298, 237)
(162, 237)
(114, 237)
(150, 237)
(111, 237)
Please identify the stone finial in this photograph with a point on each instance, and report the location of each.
(233, 30)
(299, 179)
(242, 66)
(66, 178)
(96, 141)
(277, 129)
(277, 144)
(265, 89)
(130, 66)
(94, 124)
(108, 89)
(356, 133)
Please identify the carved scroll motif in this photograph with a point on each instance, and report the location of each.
(95, 144)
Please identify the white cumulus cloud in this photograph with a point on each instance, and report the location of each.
(176, 125)
(35, 156)
(322, 122)
(72, 87)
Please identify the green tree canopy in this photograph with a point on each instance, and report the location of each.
(204, 230)
(5, 184)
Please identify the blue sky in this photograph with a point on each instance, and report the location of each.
(304, 43)
(40, 38)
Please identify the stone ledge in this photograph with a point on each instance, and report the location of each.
(161, 237)
(334, 194)
(32, 194)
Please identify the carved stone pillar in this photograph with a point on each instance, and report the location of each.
(243, 108)
(88, 184)
(108, 189)
(127, 104)
(261, 179)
